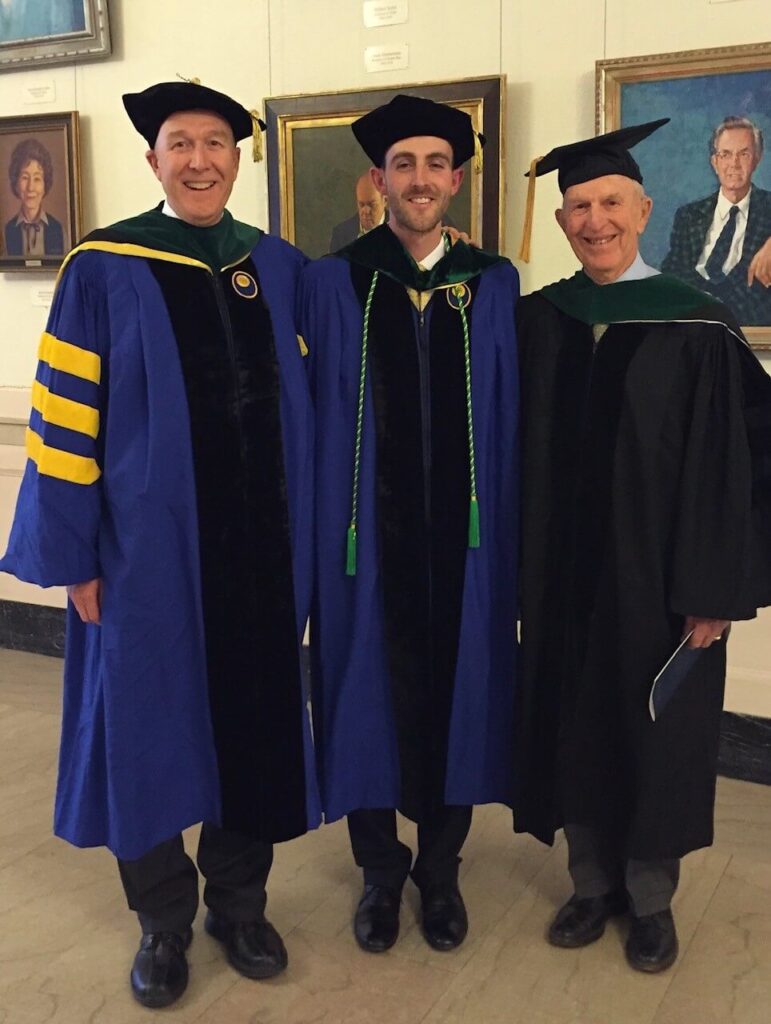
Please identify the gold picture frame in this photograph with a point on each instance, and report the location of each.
(696, 89)
(314, 160)
(40, 197)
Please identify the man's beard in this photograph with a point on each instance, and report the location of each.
(408, 217)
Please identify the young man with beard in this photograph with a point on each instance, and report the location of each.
(414, 373)
(168, 487)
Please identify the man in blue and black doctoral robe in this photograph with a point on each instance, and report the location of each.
(646, 518)
(169, 487)
(414, 375)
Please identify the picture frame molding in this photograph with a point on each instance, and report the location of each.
(91, 44)
(611, 75)
(69, 123)
(284, 114)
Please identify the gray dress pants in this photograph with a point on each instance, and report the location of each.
(597, 866)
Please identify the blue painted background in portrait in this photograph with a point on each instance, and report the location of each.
(26, 20)
(675, 160)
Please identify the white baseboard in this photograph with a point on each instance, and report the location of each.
(14, 404)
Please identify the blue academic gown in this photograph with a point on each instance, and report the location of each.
(113, 495)
(358, 709)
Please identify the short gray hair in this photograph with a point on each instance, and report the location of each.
(640, 190)
(737, 122)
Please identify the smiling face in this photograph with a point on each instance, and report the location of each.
(603, 220)
(31, 188)
(734, 161)
(418, 180)
(196, 158)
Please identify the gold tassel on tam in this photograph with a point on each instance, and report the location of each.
(477, 164)
(527, 227)
(258, 127)
(190, 81)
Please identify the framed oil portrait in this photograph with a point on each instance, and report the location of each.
(719, 102)
(34, 33)
(315, 163)
(40, 206)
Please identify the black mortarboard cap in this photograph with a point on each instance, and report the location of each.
(584, 161)
(408, 116)
(150, 108)
(593, 158)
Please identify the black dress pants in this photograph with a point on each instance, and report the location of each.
(386, 861)
(162, 885)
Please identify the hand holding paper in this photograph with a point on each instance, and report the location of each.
(673, 672)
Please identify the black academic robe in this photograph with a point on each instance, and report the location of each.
(645, 488)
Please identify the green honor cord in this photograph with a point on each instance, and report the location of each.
(473, 518)
(350, 559)
(473, 509)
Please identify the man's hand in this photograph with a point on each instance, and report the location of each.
(760, 266)
(456, 235)
(87, 598)
(705, 631)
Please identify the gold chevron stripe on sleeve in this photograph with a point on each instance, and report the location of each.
(75, 469)
(61, 355)
(64, 412)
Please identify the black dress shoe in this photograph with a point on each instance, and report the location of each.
(254, 948)
(444, 920)
(159, 972)
(582, 921)
(376, 922)
(652, 943)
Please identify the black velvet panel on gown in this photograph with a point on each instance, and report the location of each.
(418, 383)
(587, 553)
(231, 375)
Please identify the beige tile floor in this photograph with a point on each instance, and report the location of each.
(66, 939)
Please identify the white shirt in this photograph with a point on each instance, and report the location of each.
(637, 271)
(166, 208)
(434, 256)
(719, 220)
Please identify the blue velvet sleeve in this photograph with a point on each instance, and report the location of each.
(54, 536)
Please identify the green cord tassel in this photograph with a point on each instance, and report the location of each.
(473, 523)
(350, 559)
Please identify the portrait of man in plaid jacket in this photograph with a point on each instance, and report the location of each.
(722, 243)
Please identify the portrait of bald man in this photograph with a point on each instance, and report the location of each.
(370, 213)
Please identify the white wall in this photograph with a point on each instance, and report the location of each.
(261, 48)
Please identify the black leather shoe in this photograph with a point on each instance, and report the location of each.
(159, 972)
(444, 920)
(254, 948)
(652, 943)
(376, 922)
(582, 921)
